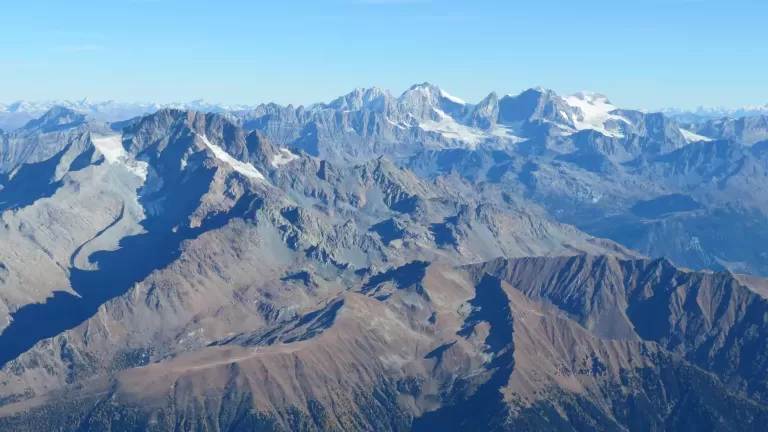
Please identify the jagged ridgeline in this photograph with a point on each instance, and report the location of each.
(384, 263)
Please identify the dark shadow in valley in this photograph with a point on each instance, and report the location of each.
(118, 270)
(665, 204)
(485, 408)
(388, 230)
(83, 160)
(402, 277)
(443, 232)
(98, 234)
(30, 183)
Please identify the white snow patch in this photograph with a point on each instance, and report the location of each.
(112, 149)
(564, 130)
(245, 169)
(693, 137)
(397, 125)
(595, 112)
(445, 94)
(153, 182)
(449, 128)
(138, 168)
(506, 133)
(283, 157)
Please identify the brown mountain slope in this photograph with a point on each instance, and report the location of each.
(427, 346)
(162, 238)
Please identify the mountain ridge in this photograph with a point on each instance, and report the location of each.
(329, 268)
(495, 342)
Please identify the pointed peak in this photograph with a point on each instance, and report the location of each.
(539, 89)
(451, 98)
(531, 92)
(360, 97)
(60, 112)
(55, 118)
(368, 90)
(426, 85)
(591, 97)
(432, 92)
(19, 105)
(426, 88)
(492, 96)
(367, 94)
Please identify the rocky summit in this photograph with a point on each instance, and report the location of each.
(530, 262)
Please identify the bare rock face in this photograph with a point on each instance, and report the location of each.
(184, 223)
(701, 204)
(746, 130)
(179, 272)
(503, 345)
(582, 160)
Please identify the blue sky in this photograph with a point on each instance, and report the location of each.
(641, 54)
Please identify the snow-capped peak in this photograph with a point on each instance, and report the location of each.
(111, 147)
(591, 98)
(710, 112)
(693, 137)
(432, 91)
(422, 101)
(426, 85)
(243, 168)
(282, 157)
(594, 112)
(424, 90)
(445, 94)
(357, 99)
(88, 105)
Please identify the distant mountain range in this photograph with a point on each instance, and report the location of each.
(416, 262)
(613, 159)
(704, 113)
(16, 114)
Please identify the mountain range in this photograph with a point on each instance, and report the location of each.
(379, 262)
(656, 185)
(16, 114)
(704, 113)
(19, 113)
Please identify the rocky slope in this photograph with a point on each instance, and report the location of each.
(185, 224)
(582, 160)
(701, 204)
(277, 270)
(705, 113)
(17, 114)
(534, 344)
(371, 122)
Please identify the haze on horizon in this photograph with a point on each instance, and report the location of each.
(651, 55)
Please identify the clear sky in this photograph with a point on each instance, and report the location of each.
(641, 54)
